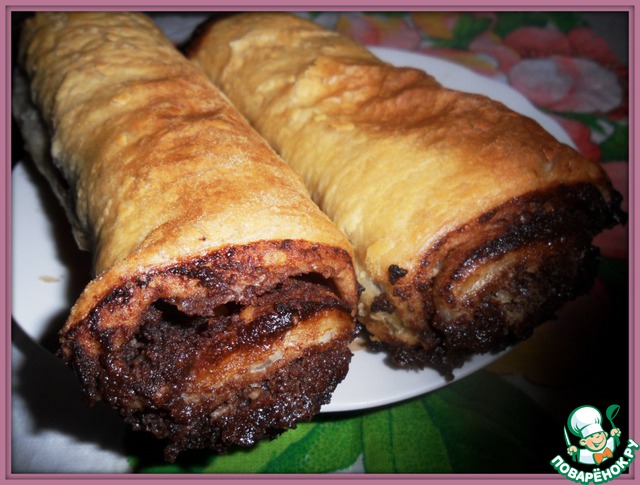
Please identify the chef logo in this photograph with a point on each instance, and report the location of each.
(596, 445)
(589, 444)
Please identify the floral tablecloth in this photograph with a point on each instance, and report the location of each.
(508, 417)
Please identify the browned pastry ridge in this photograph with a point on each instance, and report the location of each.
(471, 225)
(224, 300)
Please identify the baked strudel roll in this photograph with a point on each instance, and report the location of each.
(224, 300)
(471, 224)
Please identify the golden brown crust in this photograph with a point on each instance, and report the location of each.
(195, 223)
(127, 92)
(404, 167)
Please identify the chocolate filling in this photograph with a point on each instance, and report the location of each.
(489, 284)
(209, 370)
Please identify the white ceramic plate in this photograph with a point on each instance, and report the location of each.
(48, 271)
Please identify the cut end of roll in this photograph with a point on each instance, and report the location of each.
(489, 284)
(202, 356)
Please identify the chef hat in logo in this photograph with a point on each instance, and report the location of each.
(584, 421)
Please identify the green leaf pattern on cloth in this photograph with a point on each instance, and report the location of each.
(408, 430)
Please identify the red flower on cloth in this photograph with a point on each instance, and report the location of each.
(586, 43)
(491, 45)
(575, 72)
(562, 83)
(391, 32)
(538, 42)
